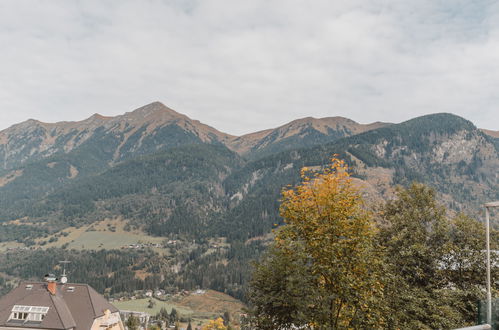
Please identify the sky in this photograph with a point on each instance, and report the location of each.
(243, 66)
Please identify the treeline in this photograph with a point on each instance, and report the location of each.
(113, 272)
(225, 270)
(106, 271)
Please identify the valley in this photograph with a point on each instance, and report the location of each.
(174, 204)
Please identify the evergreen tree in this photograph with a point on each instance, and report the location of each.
(226, 318)
(173, 316)
(133, 323)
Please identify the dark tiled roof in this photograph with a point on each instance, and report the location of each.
(68, 308)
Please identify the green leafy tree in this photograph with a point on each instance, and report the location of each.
(434, 263)
(282, 290)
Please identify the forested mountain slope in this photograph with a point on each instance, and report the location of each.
(215, 190)
(162, 174)
(178, 191)
(442, 150)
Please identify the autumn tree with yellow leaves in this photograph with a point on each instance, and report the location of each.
(217, 324)
(328, 240)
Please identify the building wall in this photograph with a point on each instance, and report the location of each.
(108, 321)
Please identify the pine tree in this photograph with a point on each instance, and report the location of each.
(133, 323)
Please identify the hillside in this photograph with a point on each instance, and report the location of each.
(494, 134)
(161, 191)
(199, 307)
(299, 133)
(442, 150)
(145, 130)
(199, 210)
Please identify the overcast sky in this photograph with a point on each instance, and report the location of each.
(243, 66)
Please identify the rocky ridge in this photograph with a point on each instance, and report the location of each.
(156, 127)
(303, 132)
(494, 134)
(33, 140)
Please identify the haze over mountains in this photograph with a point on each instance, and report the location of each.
(160, 173)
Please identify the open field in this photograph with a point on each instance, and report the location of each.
(108, 240)
(199, 308)
(140, 305)
(4, 246)
(212, 302)
(106, 234)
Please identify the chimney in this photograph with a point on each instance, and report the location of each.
(51, 283)
(52, 287)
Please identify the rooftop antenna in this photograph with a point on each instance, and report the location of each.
(64, 278)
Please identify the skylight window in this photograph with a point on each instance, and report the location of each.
(19, 316)
(28, 313)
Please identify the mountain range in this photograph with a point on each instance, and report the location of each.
(156, 127)
(163, 174)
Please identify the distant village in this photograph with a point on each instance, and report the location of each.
(133, 246)
(159, 294)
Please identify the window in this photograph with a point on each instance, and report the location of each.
(29, 313)
(20, 316)
(37, 317)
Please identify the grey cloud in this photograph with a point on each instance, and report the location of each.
(242, 66)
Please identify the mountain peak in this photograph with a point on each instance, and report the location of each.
(437, 122)
(25, 125)
(299, 133)
(99, 116)
(96, 118)
(155, 108)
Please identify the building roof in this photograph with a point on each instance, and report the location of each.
(492, 204)
(73, 306)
